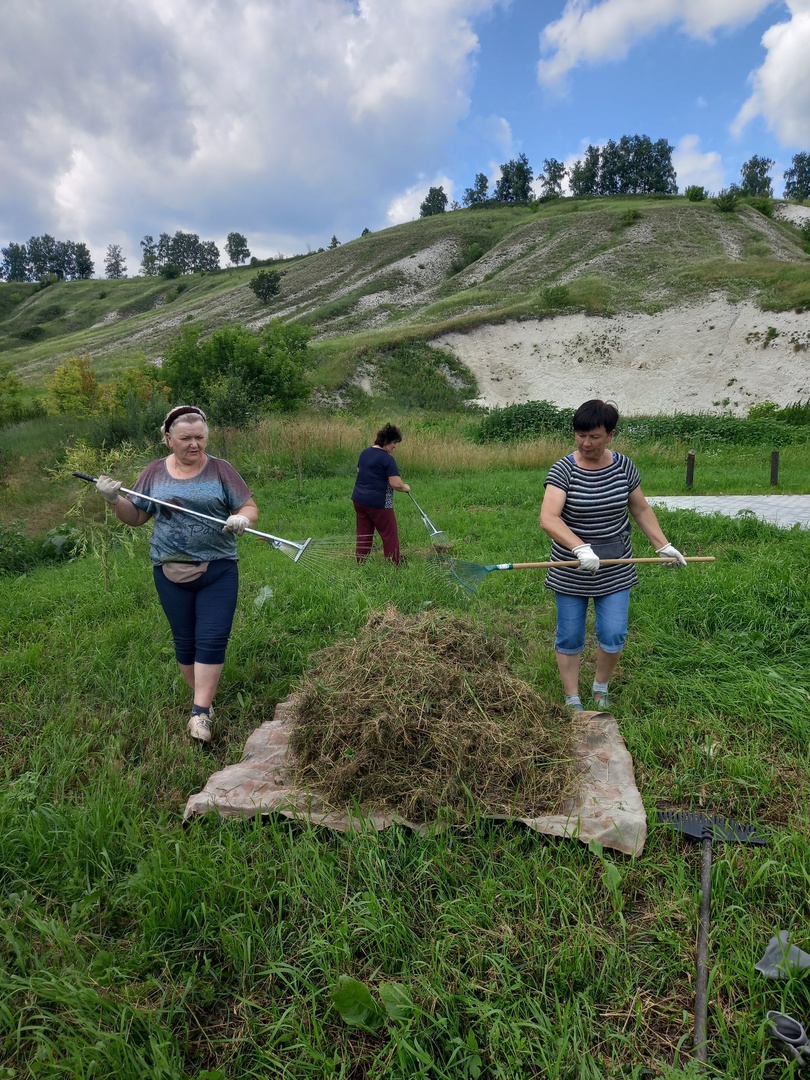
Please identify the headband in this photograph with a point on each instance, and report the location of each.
(182, 410)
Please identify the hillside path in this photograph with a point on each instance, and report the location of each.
(783, 510)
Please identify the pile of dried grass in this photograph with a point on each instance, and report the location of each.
(421, 715)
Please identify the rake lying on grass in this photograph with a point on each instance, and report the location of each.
(438, 538)
(470, 574)
(307, 552)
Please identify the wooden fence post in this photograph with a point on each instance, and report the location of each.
(690, 469)
(774, 468)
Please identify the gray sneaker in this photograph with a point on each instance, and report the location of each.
(199, 727)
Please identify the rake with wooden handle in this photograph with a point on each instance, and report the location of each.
(707, 827)
(470, 575)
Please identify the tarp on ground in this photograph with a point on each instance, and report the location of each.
(608, 807)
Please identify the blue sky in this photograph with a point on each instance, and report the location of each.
(293, 120)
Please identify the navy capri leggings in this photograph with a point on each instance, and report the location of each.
(201, 612)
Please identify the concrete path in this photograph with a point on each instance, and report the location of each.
(784, 510)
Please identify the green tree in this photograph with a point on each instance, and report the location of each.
(797, 177)
(115, 265)
(16, 265)
(149, 259)
(84, 263)
(334, 242)
(184, 251)
(266, 285)
(583, 176)
(435, 202)
(73, 388)
(515, 181)
(236, 248)
(755, 176)
(478, 194)
(552, 177)
(207, 256)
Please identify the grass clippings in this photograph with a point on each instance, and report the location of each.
(421, 715)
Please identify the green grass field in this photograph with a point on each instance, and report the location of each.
(133, 947)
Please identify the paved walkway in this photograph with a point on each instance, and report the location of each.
(784, 510)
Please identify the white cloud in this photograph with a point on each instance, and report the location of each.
(694, 166)
(781, 86)
(296, 118)
(589, 32)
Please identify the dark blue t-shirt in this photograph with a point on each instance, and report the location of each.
(371, 487)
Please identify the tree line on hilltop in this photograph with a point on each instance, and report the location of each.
(633, 165)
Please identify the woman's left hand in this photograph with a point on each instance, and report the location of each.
(236, 523)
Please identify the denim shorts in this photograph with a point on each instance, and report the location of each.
(611, 622)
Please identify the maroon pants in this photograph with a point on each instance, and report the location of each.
(370, 518)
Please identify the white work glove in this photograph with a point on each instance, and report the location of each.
(671, 553)
(108, 488)
(236, 523)
(588, 559)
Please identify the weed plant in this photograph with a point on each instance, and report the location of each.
(132, 946)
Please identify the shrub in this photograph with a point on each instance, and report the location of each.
(18, 554)
(529, 420)
(73, 387)
(629, 217)
(534, 419)
(696, 193)
(726, 199)
(471, 253)
(270, 365)
(266, 285)
(416, 375)
(761, 203)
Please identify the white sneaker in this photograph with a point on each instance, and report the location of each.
(199, 727)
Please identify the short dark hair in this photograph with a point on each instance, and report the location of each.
(596, 413)
(388, 433)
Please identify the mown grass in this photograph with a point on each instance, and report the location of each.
(132, 946)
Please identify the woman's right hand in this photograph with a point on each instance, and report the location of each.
(108, 488)
(588, 559)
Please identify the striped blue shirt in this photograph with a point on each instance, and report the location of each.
(596, 510)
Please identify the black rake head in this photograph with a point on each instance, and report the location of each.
(700, 826)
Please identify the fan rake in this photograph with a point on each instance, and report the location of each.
(438, 538)
(470, 575)
(307, 552)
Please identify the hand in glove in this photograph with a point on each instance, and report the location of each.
(108, 488)
(588, 559)
(236, 523)
(672, 554)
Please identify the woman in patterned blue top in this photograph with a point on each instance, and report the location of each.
(194, 563)
(590, 497)
(373, 495)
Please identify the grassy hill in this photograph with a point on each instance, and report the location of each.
(454, 271)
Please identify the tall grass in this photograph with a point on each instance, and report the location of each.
(132, 946)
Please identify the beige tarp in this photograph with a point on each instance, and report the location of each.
(608, 808)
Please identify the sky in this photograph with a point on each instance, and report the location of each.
(292, 121)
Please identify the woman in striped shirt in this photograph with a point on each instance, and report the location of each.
(589, 499)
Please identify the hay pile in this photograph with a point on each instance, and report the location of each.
(422, 716)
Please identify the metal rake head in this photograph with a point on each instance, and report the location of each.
(700, 826)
